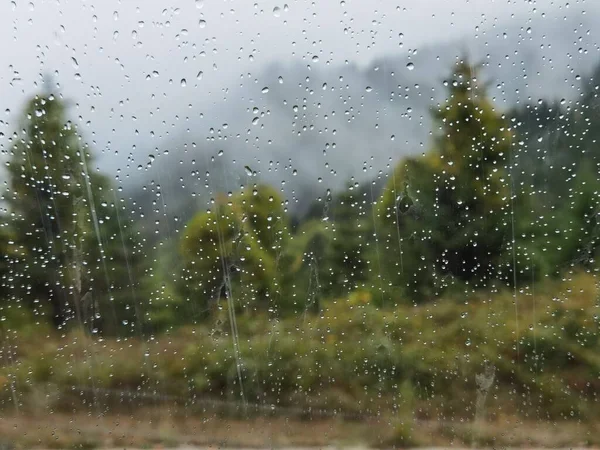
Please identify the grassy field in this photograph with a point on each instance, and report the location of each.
(486, 369)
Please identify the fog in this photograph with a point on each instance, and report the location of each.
(306, 94)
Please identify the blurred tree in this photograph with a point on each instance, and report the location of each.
(48, 189)
(575, 226)
(234, 250)
(62, 219)
(346, 260)
(445, 214)
(556, 157)
(316, 270)
(548, 154)
(327, 256)
(121, 271)
(9, 260)
(584, 132)
(304, 266)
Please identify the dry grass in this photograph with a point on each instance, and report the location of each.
(418, 362)
(163, 427)
(152, 428)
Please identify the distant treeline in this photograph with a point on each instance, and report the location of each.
(500, 199)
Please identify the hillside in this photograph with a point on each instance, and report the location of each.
(307, 128)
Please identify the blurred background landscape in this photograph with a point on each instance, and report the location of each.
(299, 225)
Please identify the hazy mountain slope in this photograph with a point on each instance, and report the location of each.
(310, 127)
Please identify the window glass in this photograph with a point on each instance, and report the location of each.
(257, 224)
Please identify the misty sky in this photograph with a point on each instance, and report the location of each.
(123, 62)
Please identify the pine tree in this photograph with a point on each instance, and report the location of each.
(63, 221)
(450, 208)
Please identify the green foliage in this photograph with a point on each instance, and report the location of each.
(77, 254)
(347, 262)
(306, 267)
(47, 190)
(559, 223)
(121, 287)
(328, 255)
(403, 361)
(576, 224)
(444, 215)
(10, 256)
(234, 250)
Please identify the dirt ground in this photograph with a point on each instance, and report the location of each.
(162, 428)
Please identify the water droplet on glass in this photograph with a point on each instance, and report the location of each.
(265, 90)
(410, 66)
(199, 75)
(277, 11)
(183, 82)
(255, 120)
(202, 23)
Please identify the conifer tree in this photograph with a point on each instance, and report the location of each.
(446, 214)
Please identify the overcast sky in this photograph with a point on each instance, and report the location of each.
(123, 62)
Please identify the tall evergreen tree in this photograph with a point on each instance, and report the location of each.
(63, 220)
(445, 215)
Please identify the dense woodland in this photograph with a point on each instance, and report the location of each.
(500, 199)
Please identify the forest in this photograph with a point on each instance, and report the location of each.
(474, 260)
